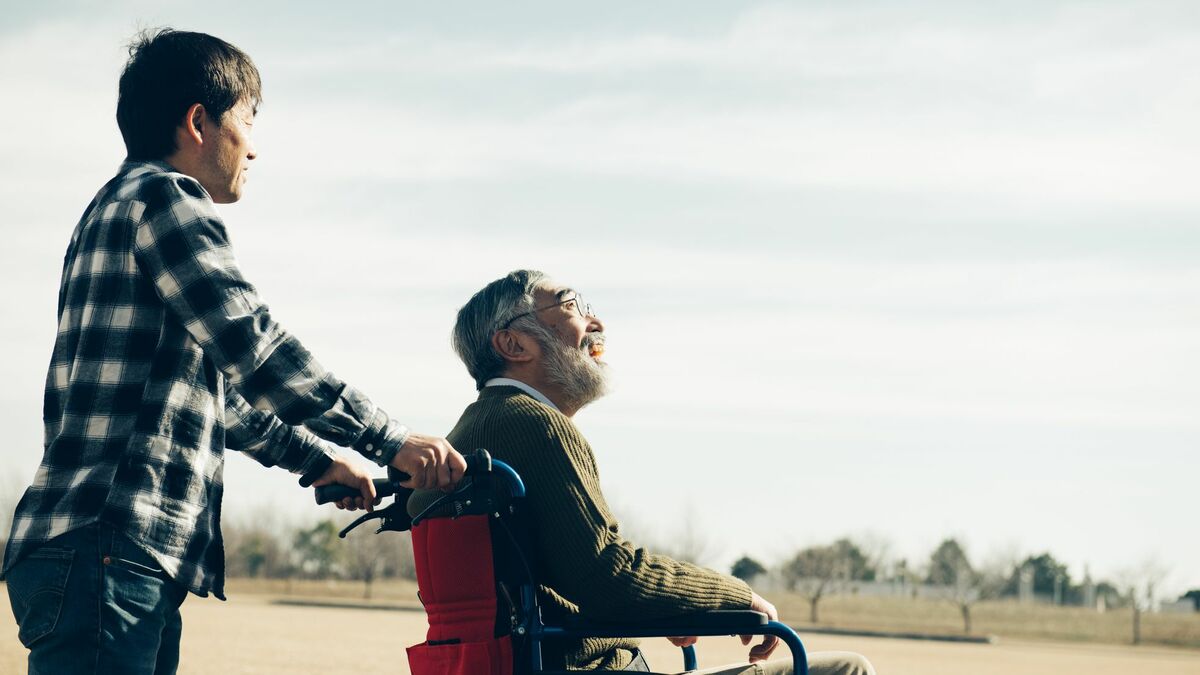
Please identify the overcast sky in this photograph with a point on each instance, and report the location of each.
(898, 273)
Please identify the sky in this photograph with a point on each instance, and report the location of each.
(890, 273)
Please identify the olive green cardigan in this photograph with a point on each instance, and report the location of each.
(589, 568)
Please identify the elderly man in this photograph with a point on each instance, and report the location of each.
(534, 349)
(165, 357)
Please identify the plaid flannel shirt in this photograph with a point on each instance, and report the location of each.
(165, 356)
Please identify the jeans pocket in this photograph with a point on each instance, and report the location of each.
(126, 555)
(138, 567)
(36, 589)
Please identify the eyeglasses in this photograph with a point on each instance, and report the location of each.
(584, 309)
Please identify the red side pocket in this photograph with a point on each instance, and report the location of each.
(490, 657)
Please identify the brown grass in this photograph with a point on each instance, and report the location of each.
(250, 634)
(1004, 619)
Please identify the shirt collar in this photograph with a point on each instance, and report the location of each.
(130, 164)
(509, 382)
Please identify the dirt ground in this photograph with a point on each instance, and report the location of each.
(251, 635)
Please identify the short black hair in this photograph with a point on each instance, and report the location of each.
(168, 71)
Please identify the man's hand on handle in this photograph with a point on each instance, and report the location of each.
(762, 650)
(430, 461)
(343, 472)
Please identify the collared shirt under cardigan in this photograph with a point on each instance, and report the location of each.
(165, 356)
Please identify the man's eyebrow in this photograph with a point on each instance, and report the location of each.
(562, 295)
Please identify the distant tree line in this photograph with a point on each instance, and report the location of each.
(260, 549)
(815, 572)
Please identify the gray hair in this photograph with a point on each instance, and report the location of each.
(484, 314)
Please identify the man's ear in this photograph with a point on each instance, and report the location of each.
(194, 124)
(512, 346)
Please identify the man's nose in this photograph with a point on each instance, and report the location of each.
(595, 325)
(252, 152)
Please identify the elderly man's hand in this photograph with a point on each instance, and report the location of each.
(431, 462)
(762, 650)
(683, 641)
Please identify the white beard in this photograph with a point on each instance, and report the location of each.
(579, 378)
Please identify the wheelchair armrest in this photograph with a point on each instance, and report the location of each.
(700, 624)
(723, 620)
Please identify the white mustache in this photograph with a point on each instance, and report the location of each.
(592, 339)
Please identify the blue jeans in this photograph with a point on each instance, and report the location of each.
(91, 601)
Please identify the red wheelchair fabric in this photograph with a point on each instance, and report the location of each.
(453, 558)
(491, 657)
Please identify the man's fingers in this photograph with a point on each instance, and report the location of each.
(683, 641)
(367, 488)
(746, 639)
(762, 651)
(423, 476)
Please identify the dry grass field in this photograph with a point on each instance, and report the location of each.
(252, 634)
(1006, 619)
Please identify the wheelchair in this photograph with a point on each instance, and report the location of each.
(479, 587)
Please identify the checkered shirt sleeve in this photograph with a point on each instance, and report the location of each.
(182, 246)
(269, 441)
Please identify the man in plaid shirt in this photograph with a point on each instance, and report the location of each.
(166, 356)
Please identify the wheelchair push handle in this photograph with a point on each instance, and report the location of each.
(478, 462)
(384, 487)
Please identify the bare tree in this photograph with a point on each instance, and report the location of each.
(1139, 585)
(966, 585)
(369, 556)
(812, 573)
(817, 571)
(973, 586)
